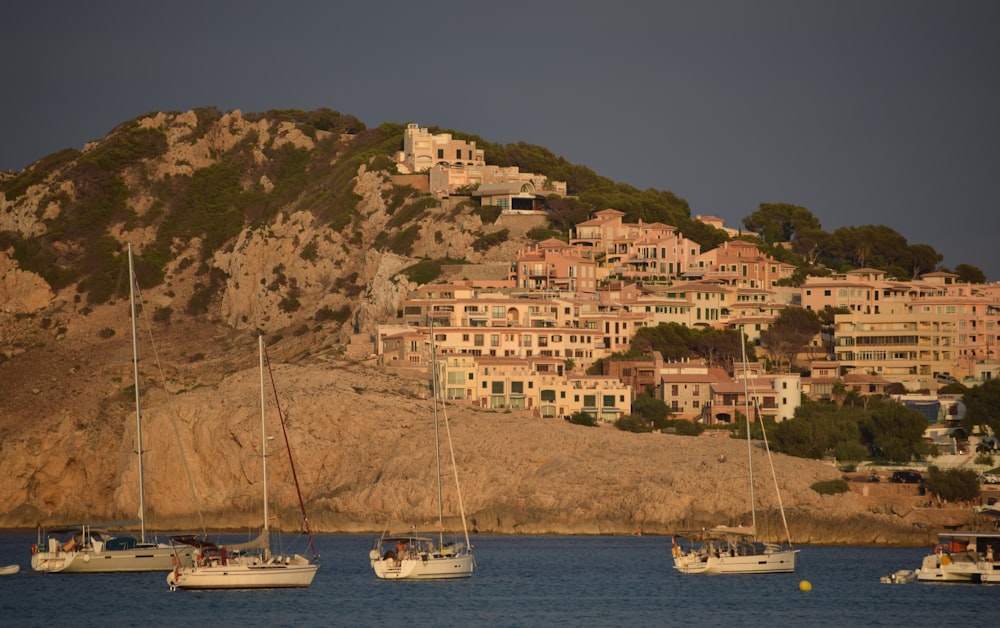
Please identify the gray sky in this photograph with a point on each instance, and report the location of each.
(865, 112)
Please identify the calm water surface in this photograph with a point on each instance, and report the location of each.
(520, 581)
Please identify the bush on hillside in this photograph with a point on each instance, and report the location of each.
(831, 487)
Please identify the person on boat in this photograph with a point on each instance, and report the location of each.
(989, 553)
(397, 552)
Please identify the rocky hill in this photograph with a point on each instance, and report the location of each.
(290, 223)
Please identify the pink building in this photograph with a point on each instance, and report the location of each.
(740, 264)
(553, 265)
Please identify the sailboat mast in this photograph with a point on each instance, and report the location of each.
(437, 434)
(263, 424)
(138, 413)
(746, 399)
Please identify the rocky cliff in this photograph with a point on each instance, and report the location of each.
(276, 256)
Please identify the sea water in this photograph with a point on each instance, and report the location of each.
(519, 581)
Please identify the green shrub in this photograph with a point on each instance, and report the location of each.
(310, 252)
(489, 240)
(200, 299)
(683, 427)
(831, 487)
(412, 212)
(381, 163)
(488, 213)
(953, 484)
(327, 314)
(633, 423)
(544, 233)
(402, 243)
(162, 314)
(583, 418)
(289, 304)
(423, 272)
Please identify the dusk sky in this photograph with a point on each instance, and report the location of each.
(865, 112)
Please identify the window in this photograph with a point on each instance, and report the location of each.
(608, 401)
(497, 388)
(547, 395)
(590, 401)
(440, 153)
(477, 340)
(517, 388)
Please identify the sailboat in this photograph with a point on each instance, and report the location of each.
(95, 548)
(735, 549)
(414, 556)
(249, 565)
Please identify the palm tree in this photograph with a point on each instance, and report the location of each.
(839, 394)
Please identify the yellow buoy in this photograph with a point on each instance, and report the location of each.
(805, 585)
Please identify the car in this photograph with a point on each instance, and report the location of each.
(990, 478)
(906, 477)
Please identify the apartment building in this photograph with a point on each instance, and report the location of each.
(975, 341)
(686, 387)
(774, 396)
(598, 337)
(739, 264)
(553, 265)
(651, 251)
(910, 348)
(866, 291)
(658, 253)
(689, 303)
(504, 383)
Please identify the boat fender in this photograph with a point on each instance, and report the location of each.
(174, 561)
(34, 549)
(86, 558)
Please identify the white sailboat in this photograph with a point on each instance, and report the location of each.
(248, 565)
(91, 548)
(735, 549)
(428, 556)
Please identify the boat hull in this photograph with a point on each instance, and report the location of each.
(426, 568)
(259, 576)
(950, 570)
(695, 563)
(160, 558)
